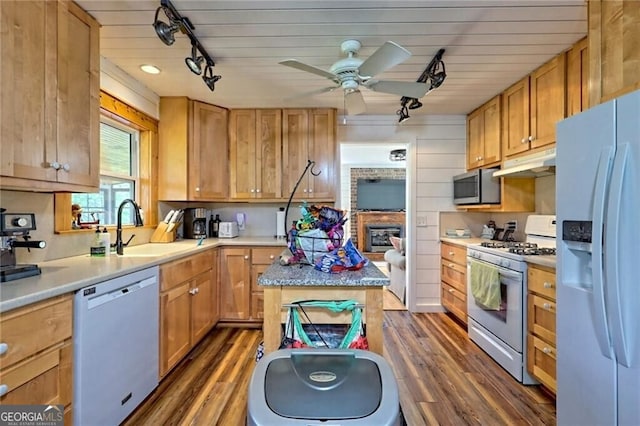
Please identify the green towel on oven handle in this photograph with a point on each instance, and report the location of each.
(485, 285)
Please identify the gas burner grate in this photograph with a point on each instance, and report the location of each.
(533, 251)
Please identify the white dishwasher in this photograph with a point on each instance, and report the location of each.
(115, 333)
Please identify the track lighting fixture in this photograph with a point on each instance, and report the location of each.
(414, 104)
(433, 75)
(403, 113)
(398, 155)
(194, 62)
(209, 78)
(199, 56)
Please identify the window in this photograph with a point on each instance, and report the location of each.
(118, 176)
(126, 133)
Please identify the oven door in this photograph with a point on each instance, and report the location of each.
(506, 323)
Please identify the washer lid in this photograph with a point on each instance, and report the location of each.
(323, 387)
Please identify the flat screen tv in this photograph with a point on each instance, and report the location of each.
(380, 194)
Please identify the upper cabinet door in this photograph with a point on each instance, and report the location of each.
(78, 97)
(515, 118)
(295, 137)
(548, 104)
(268, 159)
(577, 78)
(242, 153)
(322, 150)
(208, 152)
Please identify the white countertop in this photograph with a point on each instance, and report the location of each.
(73, 273)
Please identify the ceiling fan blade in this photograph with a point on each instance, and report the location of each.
(400, 88)
(312, 93)
(354, 102)
(388, 55)
(293, 63)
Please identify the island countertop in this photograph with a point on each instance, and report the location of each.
(307, 275)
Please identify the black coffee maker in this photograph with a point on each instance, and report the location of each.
(195, 223)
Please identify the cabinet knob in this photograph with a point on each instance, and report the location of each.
(451, 265)
(258, 191)
(523, 140)
(4, 389)
(546, 306)
(546, 350)
(252, 190)
(3, 348)
(310, 191)
(271, 257)
(480, 158)
(547, 285)
(531, 138)
(55, 165)
(197, 189)
(451, 290)
(192, 291)
(66, 167)
(304, 190)
(451, 253)
(246, 257)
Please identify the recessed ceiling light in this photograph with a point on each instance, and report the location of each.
(150, 69)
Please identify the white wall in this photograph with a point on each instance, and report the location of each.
(436, 152)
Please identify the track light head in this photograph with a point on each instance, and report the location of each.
(415, 104)
(209, 78)
(164, 30)
(194, 62)
(437, 78)
(403, 113)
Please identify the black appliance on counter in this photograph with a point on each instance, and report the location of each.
(12, 227)
(195, 223)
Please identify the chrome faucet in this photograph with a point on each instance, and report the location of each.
(138, 222)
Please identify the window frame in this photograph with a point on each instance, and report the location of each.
(147, 190)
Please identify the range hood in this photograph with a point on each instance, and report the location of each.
(542, 163)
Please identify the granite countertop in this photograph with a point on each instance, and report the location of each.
(69, 274)
(307, 275)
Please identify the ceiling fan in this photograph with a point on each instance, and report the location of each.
(352, 72)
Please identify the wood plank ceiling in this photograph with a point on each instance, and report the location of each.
(489, 45)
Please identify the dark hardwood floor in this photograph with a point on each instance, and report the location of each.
(443, 378)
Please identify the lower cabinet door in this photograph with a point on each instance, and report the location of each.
(175, 318)
(454, 301)
(202, 306)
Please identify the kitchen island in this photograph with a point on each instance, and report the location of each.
(284, 284)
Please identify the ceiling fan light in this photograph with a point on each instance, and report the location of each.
(165, 31)
(415, 104)
(194, 62)
(210, 79)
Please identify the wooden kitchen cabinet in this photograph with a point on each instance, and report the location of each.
(453, 275)
(255, 154)
(193, 151)
(309, 135)
(484, 135)
(49, 97)
(188, 305)
(532, 107)
(37, 363)
(541, 325)
(614, 65)
(241, 298)
(578, 78)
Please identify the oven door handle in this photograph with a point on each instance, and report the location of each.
(503, 272)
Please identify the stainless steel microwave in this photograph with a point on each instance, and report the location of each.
(476, 187)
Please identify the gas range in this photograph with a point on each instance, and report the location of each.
(540, 231)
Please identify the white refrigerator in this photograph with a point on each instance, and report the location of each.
(598, 271)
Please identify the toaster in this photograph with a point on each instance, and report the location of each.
(228, 230)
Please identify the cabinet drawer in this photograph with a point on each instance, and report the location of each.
(43, 379)
(178, 271)
(265, 255)
(541, 361)
(541, 318)
(453, 253)
(454, 275)
(454, 301)
(33, 328)
(542, 281)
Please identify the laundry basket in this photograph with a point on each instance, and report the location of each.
(324, 387)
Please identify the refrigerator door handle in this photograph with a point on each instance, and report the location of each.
(598, 209)
(619, 339)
